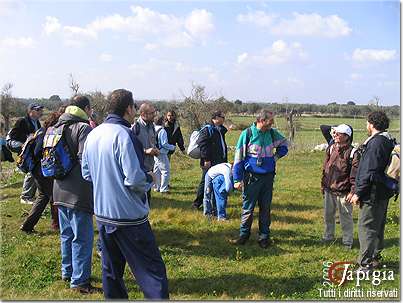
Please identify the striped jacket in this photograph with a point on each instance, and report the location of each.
(261, 146)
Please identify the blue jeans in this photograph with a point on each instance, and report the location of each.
(76, 237)
(216, 185)
(135, 245)
(258, 188)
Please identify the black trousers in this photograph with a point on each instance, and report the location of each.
(136, 246)
(45, 189)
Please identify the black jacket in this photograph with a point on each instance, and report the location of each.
(374, 159)
(211, 148)
(73, 191)
(22, 129)
(174, 135)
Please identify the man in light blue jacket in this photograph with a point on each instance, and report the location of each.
(162, 167)
(113, 161)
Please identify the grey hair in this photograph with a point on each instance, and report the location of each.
(264, 114)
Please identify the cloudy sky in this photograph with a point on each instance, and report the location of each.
(316, 52)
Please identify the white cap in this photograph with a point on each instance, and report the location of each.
(343, 129)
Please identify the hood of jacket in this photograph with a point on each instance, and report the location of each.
(73, 114)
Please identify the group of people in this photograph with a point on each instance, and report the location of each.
(119, 163)
(357, 176)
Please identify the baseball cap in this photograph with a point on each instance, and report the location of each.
(343, 129)
(35, 106)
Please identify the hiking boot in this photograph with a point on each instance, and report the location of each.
(239, 241)
(87, 289)
(28, 231)
(264, 243)
(27, 201)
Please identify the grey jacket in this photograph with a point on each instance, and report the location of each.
(73, 191)
(146, 134)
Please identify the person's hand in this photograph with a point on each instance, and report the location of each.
(238, 185)
(348, 198)
(156, 152)
(152, 151)
(207, 164)
(355, 200)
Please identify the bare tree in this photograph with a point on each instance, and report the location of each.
(100, 104)
(73, 84)
(196, 107)
(6, 99)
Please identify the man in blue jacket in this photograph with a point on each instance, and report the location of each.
(113, 161)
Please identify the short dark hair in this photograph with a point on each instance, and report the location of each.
(119, 101)
(80, 101)
(159, 120)
(217, 113)
(264, 114)
(379, 120)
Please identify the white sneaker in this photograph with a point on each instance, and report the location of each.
(26, 201)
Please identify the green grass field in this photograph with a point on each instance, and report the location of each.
(200, 262)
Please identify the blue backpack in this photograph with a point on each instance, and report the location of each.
(57, 159)
(26, 158)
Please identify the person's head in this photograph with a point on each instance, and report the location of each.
(147, 112)
(52, 119)
(264, 119)
(82, 102)
(35, 111)
(159, 120)
(171, 116)
(218, 118)
(342, 134)
(377, 122)
(121, 103)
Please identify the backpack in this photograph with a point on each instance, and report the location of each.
(193, 148)
(57, 160)
(392, 172)
(25, 159)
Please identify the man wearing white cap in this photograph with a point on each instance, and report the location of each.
(338, 182)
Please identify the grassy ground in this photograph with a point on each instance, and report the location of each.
(200, 262)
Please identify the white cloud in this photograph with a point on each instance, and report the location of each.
(331, 26)
(258, 18)
(199, 23)
(281, 52)
(278, 53)
(105, 57)
(22, 42)
(380, 55)
(242, 58)
(146, 25)
(51, 25)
